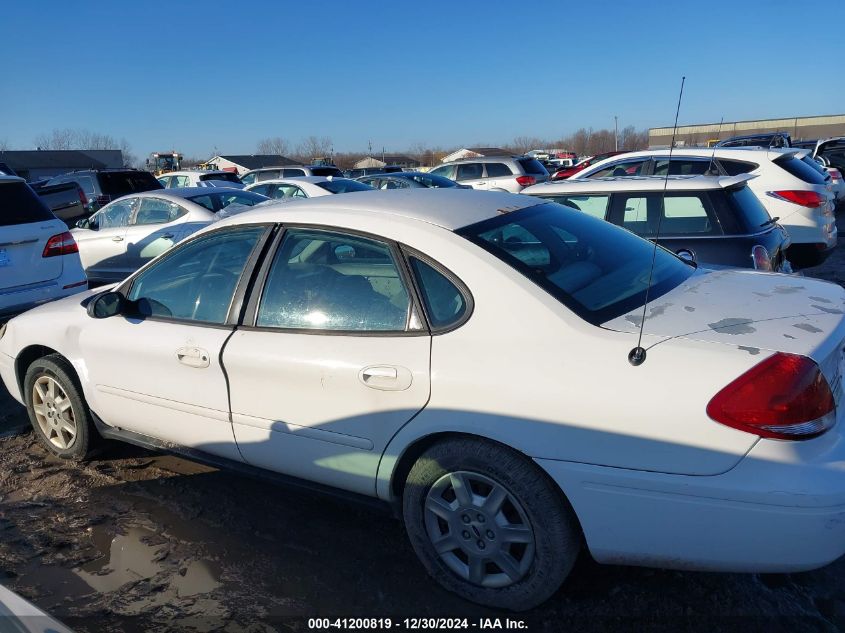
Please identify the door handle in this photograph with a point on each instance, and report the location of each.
(117, 238)
(193, 357)
(386, 377)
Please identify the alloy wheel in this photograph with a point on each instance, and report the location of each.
(54, 412)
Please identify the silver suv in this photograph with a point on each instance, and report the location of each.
(495, 173)
(289, 171)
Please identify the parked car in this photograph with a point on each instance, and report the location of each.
(101, 186)
(126, 234)
(370, 344)
(788, 183)
(67, 201)
(830, 152)
(289, 171)
(495, 173)
(766, 139)
(566, 172)
(306, 187)
(369, 171)
(705, 219)
(39, 261)
(199, 178)
(410, 180)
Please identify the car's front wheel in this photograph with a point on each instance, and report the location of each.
(57, 409)
(488, 524)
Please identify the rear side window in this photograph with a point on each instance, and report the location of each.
(749, 209)
(683, 214)
(533, 166)
(292, 173)
(737, 167)
(632, 167)
(444, 303)
(120, 183)
(681, 167)
(801, 170)
(270, 174)
(19, 204)
(494, 170)
(469, 171)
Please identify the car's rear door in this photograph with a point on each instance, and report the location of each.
(26, 224)
(332, 361)
(102, 246)
(156, 370)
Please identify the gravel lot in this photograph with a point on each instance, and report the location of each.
(136, 541)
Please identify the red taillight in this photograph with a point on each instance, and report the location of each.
(526, 181)
(784, 397)
(62, 244)
(835, 174)
(760, 258)
(82, 197)
(804, 198)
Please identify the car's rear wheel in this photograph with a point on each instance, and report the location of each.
(57, 410)
(488, 524)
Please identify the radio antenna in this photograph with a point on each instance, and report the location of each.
(713, 153)
(637, 355)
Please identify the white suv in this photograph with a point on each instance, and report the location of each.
(495, 173)
(789, 183)
(39, 260)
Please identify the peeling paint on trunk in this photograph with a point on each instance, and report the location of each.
(733, 326)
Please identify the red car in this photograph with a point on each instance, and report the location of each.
(566, 172)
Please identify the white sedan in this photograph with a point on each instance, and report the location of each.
(306, 187)
(466, 357)
(127, 233)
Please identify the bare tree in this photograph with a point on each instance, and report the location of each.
(522, 144)
(57, 139)
(313, 147)
(67, 138)
(275, 145)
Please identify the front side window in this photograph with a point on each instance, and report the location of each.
(446, 171)
(114, 216)
(621, 168)
(324, 280)
(248, 179)
(158, 211)
(470, 171)
(286, 191)
(196, 281)
(596, 269)
(444, 303)
(592, 204)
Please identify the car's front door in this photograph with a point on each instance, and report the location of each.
(102, 246)
(156, 369)
(333, 362)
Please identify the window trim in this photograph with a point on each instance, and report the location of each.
(408, 252)
(235, 305)
(249, 318)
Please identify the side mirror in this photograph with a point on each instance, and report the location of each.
(106, 305)
(344, 251)
(82, 224)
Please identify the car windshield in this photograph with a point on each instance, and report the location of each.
(20, 205)
(596, 269)
(343, 185)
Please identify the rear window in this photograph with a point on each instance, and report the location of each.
(343, 185)
(749, 208)
(737, 167)
(598, 270)
(226, 176)
(326, 171)
(533, 166)
(801, 169)
(21, 205)
(120, 183)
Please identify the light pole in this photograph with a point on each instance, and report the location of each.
(616, 133)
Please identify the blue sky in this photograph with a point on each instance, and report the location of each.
(196, 76)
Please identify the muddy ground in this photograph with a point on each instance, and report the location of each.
(135, 541)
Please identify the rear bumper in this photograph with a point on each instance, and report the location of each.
(16, 300)
(781, 509)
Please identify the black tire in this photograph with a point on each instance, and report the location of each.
(58, 369)
(556, 532)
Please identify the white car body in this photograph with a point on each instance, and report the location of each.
(21, 616)
(27, 277)
(837, 183)
(297, 188)
(652, 479)
(806, 226)
(139, 227)
(199, 178)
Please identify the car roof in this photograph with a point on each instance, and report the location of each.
(481, 159)
(740, 153)
(185, 192)
(449, 208)
(638, 183)
(291, 180)
(189, 172)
